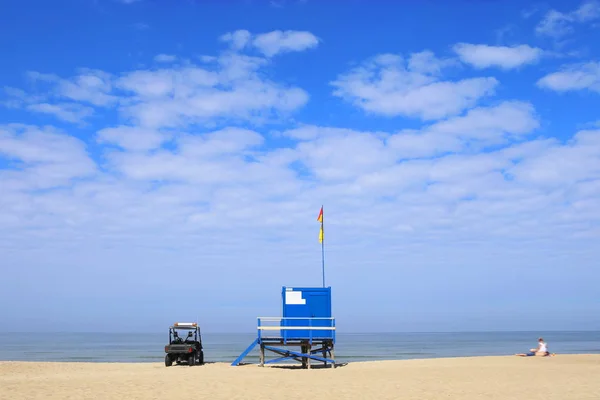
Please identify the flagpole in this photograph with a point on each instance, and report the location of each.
(323, 247)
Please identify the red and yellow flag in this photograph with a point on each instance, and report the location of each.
(320, 219)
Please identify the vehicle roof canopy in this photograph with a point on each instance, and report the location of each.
(185, 325)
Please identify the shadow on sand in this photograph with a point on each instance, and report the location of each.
(315, 366)
(186, 365)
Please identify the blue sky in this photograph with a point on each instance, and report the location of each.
(165, 161)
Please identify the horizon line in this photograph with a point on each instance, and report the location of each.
(342, 333)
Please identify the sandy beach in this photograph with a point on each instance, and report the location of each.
(561, 377)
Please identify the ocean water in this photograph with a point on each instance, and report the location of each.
(149, 347)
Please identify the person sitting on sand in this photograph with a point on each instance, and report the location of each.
(541, 350)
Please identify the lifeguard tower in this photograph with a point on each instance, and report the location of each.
(306, 324)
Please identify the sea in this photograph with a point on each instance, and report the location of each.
(226, 347)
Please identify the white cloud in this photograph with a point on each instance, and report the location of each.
(276, 42)
(228, 86)
(391, 86)
(478, 129)
(573, 77)
(210, 197)
(90, 86)
(509, 117)
(65, 111)
(326, 150)
(46, 158)
(563, 165)
(181, 95)
(485, 56)
(224, 156)
(272, 43)
(19, 98)
(133, 138)
(558, 24)
(165, 58)
(340, 154)
(15, 92)
(238, 39)
(555, 24)
(588, 11)
(231, 169)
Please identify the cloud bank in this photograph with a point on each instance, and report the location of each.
(203, 169)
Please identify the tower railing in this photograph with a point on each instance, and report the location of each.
(295, 328)
(315, 337)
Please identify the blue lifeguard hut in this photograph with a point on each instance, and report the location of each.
(306, 323)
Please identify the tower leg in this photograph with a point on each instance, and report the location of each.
(308, 349)
(332, 356)
(262, 355)
(304, 359)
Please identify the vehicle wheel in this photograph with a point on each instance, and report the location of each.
(192, 359)
(168, 361)
(201, 358)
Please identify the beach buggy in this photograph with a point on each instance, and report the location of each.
(186, 348)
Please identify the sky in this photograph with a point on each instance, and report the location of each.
(166, 161)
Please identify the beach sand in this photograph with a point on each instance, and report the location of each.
(560, 377)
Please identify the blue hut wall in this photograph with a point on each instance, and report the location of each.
(305, 303)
